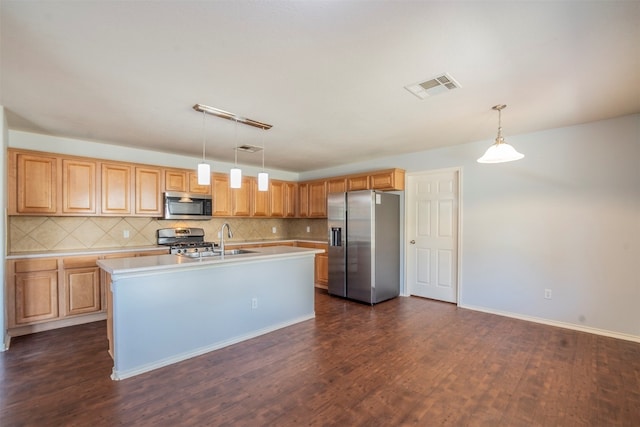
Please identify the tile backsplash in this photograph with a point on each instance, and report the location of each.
(38, 234)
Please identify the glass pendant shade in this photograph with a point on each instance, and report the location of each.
(263, 181)
(500, 152)
(204, 174)
(235, 177)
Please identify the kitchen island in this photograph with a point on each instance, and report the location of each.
(167, 308)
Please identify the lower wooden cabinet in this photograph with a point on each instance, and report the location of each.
(49, 293)
(82, 292)
(34, 289)
(322, 270)
(321, 262)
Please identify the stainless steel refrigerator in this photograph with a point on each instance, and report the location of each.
(364, 245)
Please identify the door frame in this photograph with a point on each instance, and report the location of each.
(459, 170)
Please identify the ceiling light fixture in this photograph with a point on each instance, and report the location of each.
(500, 151)
(230, 116)
(204, 171)
(263, 177)
(235, 174)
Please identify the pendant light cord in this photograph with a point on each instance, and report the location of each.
(204, 135)
(235, 150)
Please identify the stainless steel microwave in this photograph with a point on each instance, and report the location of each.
(187, 206)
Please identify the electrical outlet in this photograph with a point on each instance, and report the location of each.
(547, 294)
(308, 229)
(125, 234)
(254, 303)
(273, 230)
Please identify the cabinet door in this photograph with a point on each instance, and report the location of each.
(81, 290)
(196, 188)
(303, 200)
(241, 198)
(290, 199)
(360, 182)
(175, 180)
(322, 270)
(37, 184)
(392, 179)
(221, 195)
(318, 199)
(36, 296)
(116, 189)
(148, 192)
(277, 198)
(78, 187)
(260, 199)
(337, 185)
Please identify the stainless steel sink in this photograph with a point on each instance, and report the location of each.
(238, 252)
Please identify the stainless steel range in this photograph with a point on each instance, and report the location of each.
(186, 241)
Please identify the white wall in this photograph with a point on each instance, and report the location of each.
(3, 226)
(566, 218)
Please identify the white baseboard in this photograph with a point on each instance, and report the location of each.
(596, 331)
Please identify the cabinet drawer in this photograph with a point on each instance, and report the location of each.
(29, 265)
(79, 262)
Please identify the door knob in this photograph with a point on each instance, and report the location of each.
(413, 242)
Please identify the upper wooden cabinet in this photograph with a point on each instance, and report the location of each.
(241, 202)
(175, 180)
(222, 202)
(317, 199)
(358, 182)
(33, 183)
(78, 187)
(290, 199)
(194, 187)
(116, 189)
(49, 184)
(261, 200)
(337, 185)
(390, 179)
(276, 197)
(303, 200)
(148, 194)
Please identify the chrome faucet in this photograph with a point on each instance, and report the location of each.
(229, 235)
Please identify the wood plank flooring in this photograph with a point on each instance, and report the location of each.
(408, 361)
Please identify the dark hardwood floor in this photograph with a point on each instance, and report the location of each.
(407, 361)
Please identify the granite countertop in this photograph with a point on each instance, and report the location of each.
(160, 263)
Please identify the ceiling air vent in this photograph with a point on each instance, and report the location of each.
(440, 84)
(248, 148)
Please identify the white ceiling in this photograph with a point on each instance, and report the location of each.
(328, 75)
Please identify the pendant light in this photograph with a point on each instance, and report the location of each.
(235, 175)
(263, 177)
(204, 171)
(500, 151)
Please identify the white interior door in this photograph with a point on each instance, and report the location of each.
(432, 234)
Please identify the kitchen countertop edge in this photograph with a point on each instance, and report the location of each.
(106, 251)
(152, 264)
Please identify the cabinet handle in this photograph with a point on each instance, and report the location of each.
(413, 242)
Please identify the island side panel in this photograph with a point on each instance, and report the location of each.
(166, 317)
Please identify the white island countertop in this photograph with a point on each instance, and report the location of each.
(158, 263)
